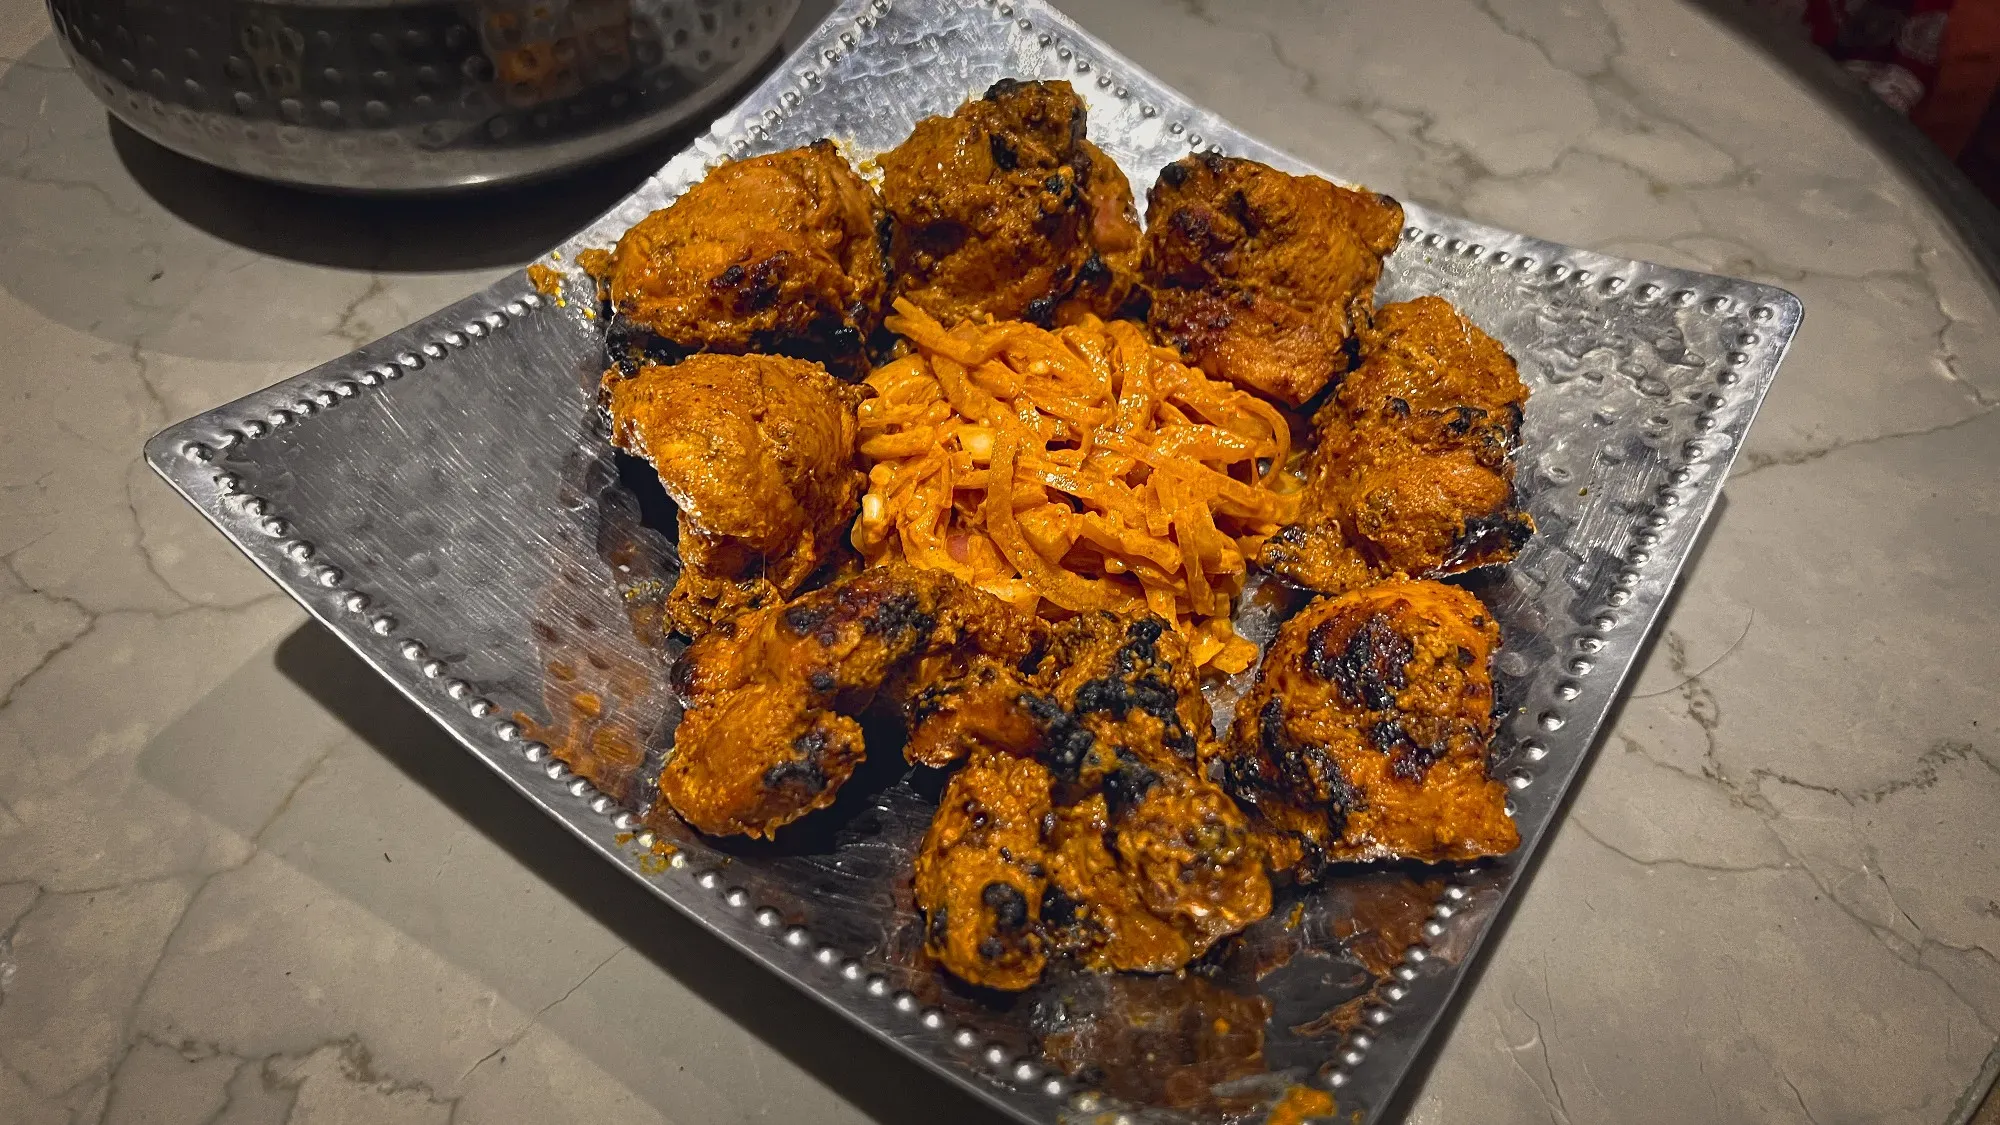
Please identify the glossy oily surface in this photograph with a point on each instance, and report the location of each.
(235, 862)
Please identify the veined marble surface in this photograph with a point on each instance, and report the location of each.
(242, 882)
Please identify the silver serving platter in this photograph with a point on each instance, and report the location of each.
(444, 500)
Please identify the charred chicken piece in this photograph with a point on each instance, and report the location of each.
(981, 874)
(1192, 853)
(1149, 883)
(1366, 736)
(1094, 678)
(778, 253)
(996, 210)
(1413, 468)
(1094, 910)
(758, 452)
(1145, 862)
(1263, 277)
(769, 731)
(1153, 863)
(1106, 682)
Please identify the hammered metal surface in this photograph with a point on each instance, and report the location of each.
(411, 94)
(445, 501)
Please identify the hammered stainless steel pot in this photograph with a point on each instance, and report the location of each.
(412, 95)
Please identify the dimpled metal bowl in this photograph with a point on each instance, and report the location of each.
(412, 96)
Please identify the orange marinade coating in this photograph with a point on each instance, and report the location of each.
(1367, 732)
(1413, 469)
(1141, 862)
(1100, 917)
(996, 209)
(1150, 887)
(1153, 862)
(1299, 1105)
(758, 452)
(769, 731)
(982, 871)
(957, 702)
(1262, 277)
(777, 252)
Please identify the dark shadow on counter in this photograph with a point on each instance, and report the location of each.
(1971, 216)
(868, 1074)
(479, 229)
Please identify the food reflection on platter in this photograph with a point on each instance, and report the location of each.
(959, 442)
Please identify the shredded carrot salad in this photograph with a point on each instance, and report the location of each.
(1083, 467)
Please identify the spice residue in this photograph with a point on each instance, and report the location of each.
(1386, 919)
(1383, 919)
(658, 858)
(547, 280)
(603, 657)
(1155, 1040)
(1299, 1105)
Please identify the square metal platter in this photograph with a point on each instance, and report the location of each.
(446, 502)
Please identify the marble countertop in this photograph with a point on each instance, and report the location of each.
(242, 882)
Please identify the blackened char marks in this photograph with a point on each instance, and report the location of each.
(898, 616)
(1005, 157)
(1058, 909)
(1499, 534)
(1301, 769)
(1119, 696)
(1128, 781)
(680, 678)
(1008, 904)
(1388, 736)
(1041, 310)
(1137, 680)
(1002, 89)
(1067, 743)
(1368, 668)
(1248, 776)
(1142, 643)
(1408, 758)
(803, 773)
(1350, 349)
(804, 620)
(1192, 227)
(1462, 419)
(1148, 693)
(630, 347)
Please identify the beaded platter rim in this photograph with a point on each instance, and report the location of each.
(1551, 738)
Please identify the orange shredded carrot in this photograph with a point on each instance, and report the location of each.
(1077, 469)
